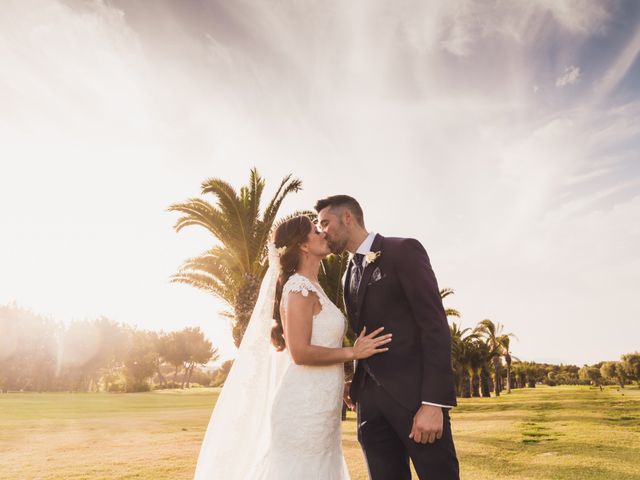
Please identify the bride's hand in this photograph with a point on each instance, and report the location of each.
(369, 345)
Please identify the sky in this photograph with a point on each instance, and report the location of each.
(503, 135)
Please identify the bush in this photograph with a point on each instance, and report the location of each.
(116, 387)
(138, 387)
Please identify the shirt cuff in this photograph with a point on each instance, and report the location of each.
(437, 405)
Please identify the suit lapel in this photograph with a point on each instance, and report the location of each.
(366, 275)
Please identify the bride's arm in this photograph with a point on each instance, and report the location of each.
(297, 326)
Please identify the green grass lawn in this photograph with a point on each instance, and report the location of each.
(558, 433)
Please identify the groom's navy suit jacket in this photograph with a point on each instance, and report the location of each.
(399, 291)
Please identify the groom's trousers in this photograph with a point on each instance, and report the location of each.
(384, 426)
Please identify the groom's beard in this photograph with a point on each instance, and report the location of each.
(336, 248)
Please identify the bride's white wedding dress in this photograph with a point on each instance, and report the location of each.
(275, 420)
(306, 414)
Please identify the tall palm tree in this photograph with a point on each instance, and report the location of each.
(495, 339)
(233, 270)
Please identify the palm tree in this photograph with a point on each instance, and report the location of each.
(487, 357)
(477, 358)
(506, 353)
(233, 270)
(495, 339)
(330, 277)
(520, 374)
(461, 350)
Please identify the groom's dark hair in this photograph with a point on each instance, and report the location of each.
(342, 201)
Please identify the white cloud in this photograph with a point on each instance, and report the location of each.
(570, 76)
(618, 68)
(579, 16)
(462, 24)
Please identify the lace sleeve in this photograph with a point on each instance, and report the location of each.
(300, 284)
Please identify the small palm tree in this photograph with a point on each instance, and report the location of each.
(233, 270)
(498, 344)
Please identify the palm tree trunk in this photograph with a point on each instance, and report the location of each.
(245, 301)
(475, 384)
(498, 376)
(465, 387)
(484, 383)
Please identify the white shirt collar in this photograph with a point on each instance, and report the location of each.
(365, 246)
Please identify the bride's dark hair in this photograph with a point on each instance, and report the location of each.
(289, 234)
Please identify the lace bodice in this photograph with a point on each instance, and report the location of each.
(329, 325)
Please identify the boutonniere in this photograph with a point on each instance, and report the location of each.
(371, 257)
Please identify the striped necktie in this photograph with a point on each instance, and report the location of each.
(356, 277)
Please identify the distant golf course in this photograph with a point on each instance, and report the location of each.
(550, 433)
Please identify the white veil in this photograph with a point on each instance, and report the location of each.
(237, 438)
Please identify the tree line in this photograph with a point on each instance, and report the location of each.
(483, 364)
(41, 354)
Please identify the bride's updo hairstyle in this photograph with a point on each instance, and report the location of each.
(287, 239)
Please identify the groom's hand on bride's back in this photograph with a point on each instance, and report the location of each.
(428, 424)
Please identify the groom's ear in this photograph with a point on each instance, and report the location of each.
(347, 216)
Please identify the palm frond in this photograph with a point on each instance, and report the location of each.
(269, 212)
(452, 312)
(200, 212)
(274, 205)
(231, 206)
(256, 187)
(331, 271)
(298, 213)
(206, 283)
(445, 292)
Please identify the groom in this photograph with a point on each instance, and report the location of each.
(402, 396)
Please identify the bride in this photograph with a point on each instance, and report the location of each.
(278, 415)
